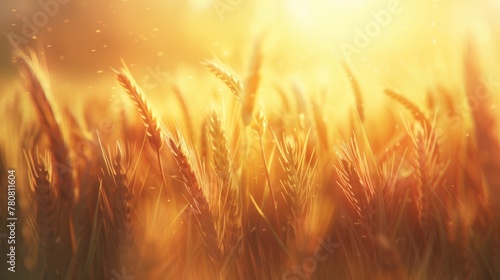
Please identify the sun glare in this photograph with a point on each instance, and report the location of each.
(323, 14)
(201, 4)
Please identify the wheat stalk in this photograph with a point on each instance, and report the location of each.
(252, 84)
(45, 202)
(357, 92)
(39, 94)
(429, 170)
(298, 180)
(230, 228)
(390, 259)
(246, 91)
(204, 141)
(290, 164)
(185, 111)
(480, 97)
(197, 200)
(148, 116)
(320, 125)
(226, 75)
(357, 182)
(414, 110)
(241, 241)
(220, 147)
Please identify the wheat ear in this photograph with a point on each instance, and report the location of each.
(45, 203)
(204, 139)
(197, 200)
(414, 110)
(356, 181)
(116, 209)
(390, 259)
(252, 84)
(185, 110)
(231, 228)
(260, 127)
(37, 88)
(220, 147)
(320, 125)
(429, 170)
(299, 169)
(227, 75)
(149, 117)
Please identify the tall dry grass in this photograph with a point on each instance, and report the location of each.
(240, 191)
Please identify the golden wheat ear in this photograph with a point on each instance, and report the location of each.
(220, 146)
(227, 75)
(196, 198)
(45, 201)
(299, 175)
(115, 207)
(38, 87)
(358, 184)
(148, 115)
(428, 171)
(356, 91)
(410, 106)
(154, 128)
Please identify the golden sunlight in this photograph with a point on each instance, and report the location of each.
(249, 139)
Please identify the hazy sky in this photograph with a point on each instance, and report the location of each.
(84, 38)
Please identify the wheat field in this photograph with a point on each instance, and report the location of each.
(238, 173)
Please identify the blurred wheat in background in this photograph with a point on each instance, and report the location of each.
(251, 139)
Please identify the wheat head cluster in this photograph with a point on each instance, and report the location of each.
(238, 190)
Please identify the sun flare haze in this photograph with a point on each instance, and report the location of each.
(249, 139)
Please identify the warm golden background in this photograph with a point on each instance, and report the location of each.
(436, 53)
(85, 38)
